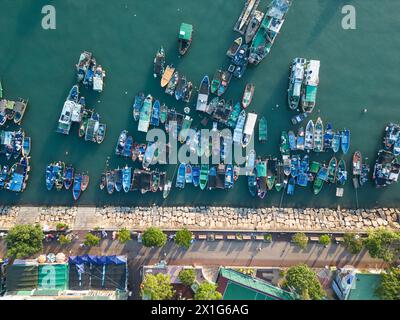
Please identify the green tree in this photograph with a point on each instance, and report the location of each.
(23, 241)
(300, 239)
(61, 226)
(64, 240)
(157, 287)
(353, 243)
(183, 238)
(304, 281)
(207, 291)
(187, 276)
(154, 237)
(91, 240)
(123, 236)
(389, 288)
(325, 239)
(382, 244)
(268, 237)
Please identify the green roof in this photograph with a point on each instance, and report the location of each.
(311, 93)
(185, 31)
(365, 286)
(53, 276)
(245, 287)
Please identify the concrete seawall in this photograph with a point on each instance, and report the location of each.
(204, 218)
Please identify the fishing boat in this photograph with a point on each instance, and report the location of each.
(212, 178)
(196, 175)
(364, 174)
(234, 115)
(236, 172)
(309, 138)
(26, 146)
(247, 95)
(83, 64)
(68, 177)
(59, 171)
(295, 166)
(86, 115)
(319, 136)
(252, 183)
(119, 149)
(216, 81)
(19, 110)
(127, 151)
(357, 163)
(180, 87)
(262, 130)
(234, 48)
(311, 82)
(159, 63)
(103, 181)
(76, 190)
(149, 157)
(300, 143)
(98, 79)
(287, 164)
(336, 142)
(250, 161)
(167, 75)
(345, 141)
(280, 177)
(155, 181)
(50, 176)
(204, 91)
(240, 60)
(248, 130)
(332, 168)
(318, 184)
(137, 105)
(296, 82)
(299, 118)
(229, 180)
(249, 7)
(85, 182)
(291, 186)
(314, 167)
(167, 189)
(155, 114)
(110, 181)
(204, 176)
(187, 92)
(215, 143)
(172, 84)
(261, 170)
(126, 178)
(292, 140)
(188, 174)
(328, 137)
(185, 37)
(302, 178)
(271, 172)
(253, 25)
(145, 114)
(268, 30)
(238, 132)
(101, 133)
(284, 146)
(341, 173)
(181, 177)
(225, 80)
(184, 132)
(118, 179)
(163, 113)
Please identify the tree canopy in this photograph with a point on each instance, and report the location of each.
(300, 239)
(183, 238)
(389, 288)
(91, 240)
(123, 236)
(207, 291)
(24, 240)
(325, 239)
(157, 287)
(383, 244)
(187, 276)
(154, 237)
(305, 282)
(353, 243)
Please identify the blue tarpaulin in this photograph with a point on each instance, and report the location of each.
(97, 260)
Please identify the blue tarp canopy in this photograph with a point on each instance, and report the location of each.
(98, 260)
(16, 182)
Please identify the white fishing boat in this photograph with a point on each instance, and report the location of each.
(249, 129)
(145, 114)
(98, 79)
(309, 137)
(238, 132)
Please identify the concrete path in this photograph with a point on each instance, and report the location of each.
(28, 215)
(85, 219)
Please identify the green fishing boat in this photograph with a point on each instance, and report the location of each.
(332, 168)
(163, 113)
(314, 167)
(233, 117)
(318, 184)
(285, 146)
(203, 176)
(263, 130)
(216, 81)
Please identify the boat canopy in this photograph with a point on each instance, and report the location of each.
(97, 84)
(297, 89)
(250, 123)
(261, 169)
(311, 93)
(185, 31)
(91, 130)
(202, 102)
(16, 183)
(312, 73)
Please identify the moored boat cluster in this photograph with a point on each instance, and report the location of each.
(89, 72)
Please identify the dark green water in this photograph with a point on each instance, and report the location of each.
(359, 69)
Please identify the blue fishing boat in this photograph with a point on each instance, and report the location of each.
(126, 178)
(50, 177)
(241, 57)
(229, 181)
(119, 149)
(292, 140)
(302, 179)
(137, 105)
(76, 190)
(179, 91)
(305, 164)
(118, 179)
(188, 174)
(252, 183)
(110, 181)
(68, 177)
(341, 173)
(128, 147)
(291, 186)
(295, 166)
(180, 179)
(155, 115)
(345, 140)
(73, 94)
(336, 142)
(328, 136)
(196, 175)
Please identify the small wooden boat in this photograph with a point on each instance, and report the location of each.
(294, 166)
(345, 141)
(364, 174)
(319, 136)
(167, 75)
(167, 189)
(263, 130)
(187, 92)
(103, 181)
(216, 81)
(225, 80)
(118, 179)
(179, 91)
(76, 190)
(101, 133)
(300, 139)
(336, 142)
(59, 171)
(247, 95)
(341, 176)
(185, 37)
(50, 176)
(261, 171)
(19, 110)
(252, 183)
(68, 177)
(85, 182)
(155, 114)
(296, 79)
(159, 62)
(357, 163)
(204, 91)
(234, 48)
(299, 118)
(292, 140)
(204, 176)
(253, 25)
(196, 175)
(155, 181)
(172, 84)
(291, 186)
(236, 172)
(318, 184)
(332, 169)
(110, 180)
(126, 178)
(188, 174)
(229, 177)
(26, 146)
(119, 149)
(127, 152)
(309, 138)
(180, 179)
(137, 105)
(284, 146)
(163, 113)
(328, 136)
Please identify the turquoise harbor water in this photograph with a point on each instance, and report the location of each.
(359, 69)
